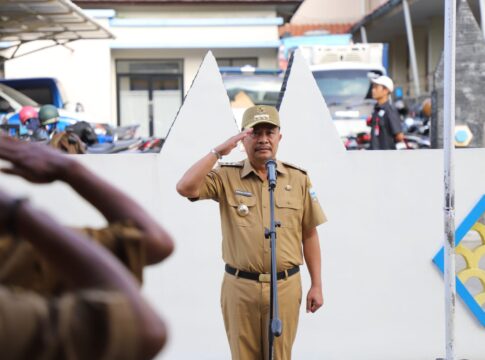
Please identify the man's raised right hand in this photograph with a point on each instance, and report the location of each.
(226, 147)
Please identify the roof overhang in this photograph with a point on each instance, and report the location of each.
(56, 21)
(284, 8)
(387, 21)
(115, 45)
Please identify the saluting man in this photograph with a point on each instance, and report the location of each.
(241, 189)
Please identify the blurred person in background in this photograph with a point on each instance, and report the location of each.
(29, 118)
(385, 122)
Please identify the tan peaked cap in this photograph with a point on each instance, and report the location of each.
(260, 114)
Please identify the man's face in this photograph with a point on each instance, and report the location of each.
(262, 143)
(379, 92)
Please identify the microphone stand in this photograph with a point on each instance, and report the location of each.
(275, 325)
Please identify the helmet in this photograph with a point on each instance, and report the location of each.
(27, 113)
(48, 114)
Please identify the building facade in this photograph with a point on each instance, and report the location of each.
(387, 24)
(142, 76)
(331, 11)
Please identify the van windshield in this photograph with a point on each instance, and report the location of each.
(261, 89)
(344, 86)
(18, 96)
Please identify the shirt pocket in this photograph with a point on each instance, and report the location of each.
(237, 209)
(288, 210)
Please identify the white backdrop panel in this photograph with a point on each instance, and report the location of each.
(384, 296)
(189, 286)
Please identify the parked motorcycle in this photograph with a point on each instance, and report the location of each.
(115, 147)
(414, 142)
(359, 141)
(416, 133)
(151, 145)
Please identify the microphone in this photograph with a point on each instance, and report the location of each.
(271, 173)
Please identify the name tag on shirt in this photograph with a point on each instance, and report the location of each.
(243, 193)
(381, 112)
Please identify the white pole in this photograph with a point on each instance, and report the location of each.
(363, 34)
(449, 166)
(412, 49)
(482, 16)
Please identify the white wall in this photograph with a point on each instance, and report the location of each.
(83, 72)
(383, 295)
(330, 11)
(177, 36)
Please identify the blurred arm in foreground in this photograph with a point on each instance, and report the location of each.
(105, 318)
(40, 164)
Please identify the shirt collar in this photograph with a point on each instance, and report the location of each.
(381, 106)
(248, 168)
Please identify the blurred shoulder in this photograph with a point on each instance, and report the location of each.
(230, 167)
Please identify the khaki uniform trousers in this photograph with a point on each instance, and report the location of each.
(245, 308)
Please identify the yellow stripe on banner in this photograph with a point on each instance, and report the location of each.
(467, 274)
(480, 229)
(470, 257)
(480, 298)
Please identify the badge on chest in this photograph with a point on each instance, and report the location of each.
(243, 209)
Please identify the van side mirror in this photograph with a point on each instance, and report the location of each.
(79, 107)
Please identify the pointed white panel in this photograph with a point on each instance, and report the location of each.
(310, 139)
(309, 135)
(187, 288)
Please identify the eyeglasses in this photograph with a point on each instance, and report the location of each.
(269, 133)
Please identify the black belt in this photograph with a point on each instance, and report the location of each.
(261, 277)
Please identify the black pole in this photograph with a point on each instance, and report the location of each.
(275, 325)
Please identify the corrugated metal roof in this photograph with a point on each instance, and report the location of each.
(284, 8)
(61, 21)
(47, 20)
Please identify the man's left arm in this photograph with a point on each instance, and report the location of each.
(313, 216)
(396, 127)
(311, 252)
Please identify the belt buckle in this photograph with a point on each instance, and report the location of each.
(266, 278)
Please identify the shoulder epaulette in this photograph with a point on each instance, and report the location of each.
(294, 166)
(232, 164)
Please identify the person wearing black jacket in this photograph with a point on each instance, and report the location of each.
(385, 123)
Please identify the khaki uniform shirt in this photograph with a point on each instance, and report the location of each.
(32, 327)
(237, 188)
(22, 266)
